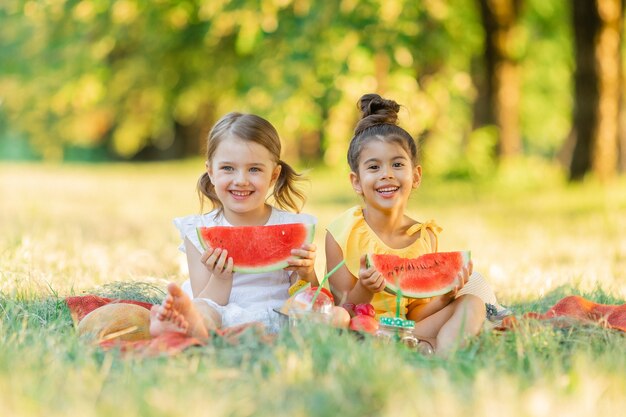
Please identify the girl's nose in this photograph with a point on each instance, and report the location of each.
(241, 178)
(386, 172)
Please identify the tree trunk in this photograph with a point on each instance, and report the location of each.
(597, 40)
(499, 92)
(622, 131)
(310, 146)
(621, 121)
(586, 24)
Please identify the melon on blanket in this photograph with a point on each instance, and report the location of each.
(422, 277)
(120, 321)
(257, 248)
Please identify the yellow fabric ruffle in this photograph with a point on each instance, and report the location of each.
(355, 238)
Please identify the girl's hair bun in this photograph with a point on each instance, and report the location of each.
(376, 110)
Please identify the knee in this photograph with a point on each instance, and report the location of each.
(473, 306)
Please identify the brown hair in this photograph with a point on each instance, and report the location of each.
(379, 120)
(252, 128)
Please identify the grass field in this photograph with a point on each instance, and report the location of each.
(107, 229)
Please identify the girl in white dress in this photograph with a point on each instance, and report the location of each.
(243, 166)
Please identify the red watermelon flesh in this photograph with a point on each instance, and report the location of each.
(422, 277)
(257, 248)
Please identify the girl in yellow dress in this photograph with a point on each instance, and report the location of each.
(384, 171)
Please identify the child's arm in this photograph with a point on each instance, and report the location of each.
(303, 264)
(419, 311)
(346, 288)
(210, 273)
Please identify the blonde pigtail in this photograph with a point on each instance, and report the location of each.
(286, 192)
(206, 189)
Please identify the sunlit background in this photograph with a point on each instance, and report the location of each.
(480, 80)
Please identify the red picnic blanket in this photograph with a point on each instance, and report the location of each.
(567, 311)
(167, 343)
(575, 309)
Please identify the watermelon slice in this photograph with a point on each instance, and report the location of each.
(257, 248)
(422, 277)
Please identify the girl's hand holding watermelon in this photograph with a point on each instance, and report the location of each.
(370, 278)
(218, 263)
(463, 278)
(303, 264)
(220, 268)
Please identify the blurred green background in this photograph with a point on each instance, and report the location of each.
(481, 81)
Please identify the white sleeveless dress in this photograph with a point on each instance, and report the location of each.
(253, 296)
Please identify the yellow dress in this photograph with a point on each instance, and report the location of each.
(355, 238)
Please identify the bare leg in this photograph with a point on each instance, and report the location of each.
(178, 313)
(451, 326)
(466, 321)
(210, 317)
(428, 328)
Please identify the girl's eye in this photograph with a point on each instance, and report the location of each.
(226, 168)
(398, 165)
(255, 169)
(372, 167)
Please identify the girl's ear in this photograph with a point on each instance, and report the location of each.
(417, 176)
(276, 173)
(209, 170)
(356, 183)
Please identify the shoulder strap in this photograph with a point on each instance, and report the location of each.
(424, 235)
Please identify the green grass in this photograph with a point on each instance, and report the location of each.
(107, 229)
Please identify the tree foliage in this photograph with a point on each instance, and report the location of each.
(149, 77)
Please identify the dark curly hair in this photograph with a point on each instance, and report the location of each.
(379, 120)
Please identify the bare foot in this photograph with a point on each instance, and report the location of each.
(160, 326)
(177, 313)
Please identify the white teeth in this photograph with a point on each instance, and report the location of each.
(241, 193)
(387, 190)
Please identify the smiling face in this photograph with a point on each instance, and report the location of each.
(243, 173)
(386, 175)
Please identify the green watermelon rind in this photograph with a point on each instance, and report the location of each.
(270, 267)
(392, 289)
